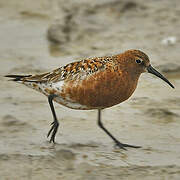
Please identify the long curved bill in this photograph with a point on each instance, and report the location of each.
(151, 70)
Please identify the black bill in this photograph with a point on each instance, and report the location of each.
(153, 71)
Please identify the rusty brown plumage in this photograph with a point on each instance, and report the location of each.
(107, 85)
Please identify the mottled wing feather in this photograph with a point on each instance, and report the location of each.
(73, 70)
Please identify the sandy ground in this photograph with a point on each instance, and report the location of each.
(38, 36)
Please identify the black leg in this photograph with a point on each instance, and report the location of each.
(55, 123)
(119, 144)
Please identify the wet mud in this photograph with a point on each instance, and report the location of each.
(39, 36)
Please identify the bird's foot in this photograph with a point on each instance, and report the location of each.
(53, 130)
(123, 146)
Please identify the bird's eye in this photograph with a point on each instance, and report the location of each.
(138, 61)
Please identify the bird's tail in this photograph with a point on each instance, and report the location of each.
(27, 80)
(18, 77)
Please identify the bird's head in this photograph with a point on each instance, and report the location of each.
(139, 62)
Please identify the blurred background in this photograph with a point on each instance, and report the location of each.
(39, 36)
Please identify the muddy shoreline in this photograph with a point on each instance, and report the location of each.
(40, 36)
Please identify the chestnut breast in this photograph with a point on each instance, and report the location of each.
(102, 89)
